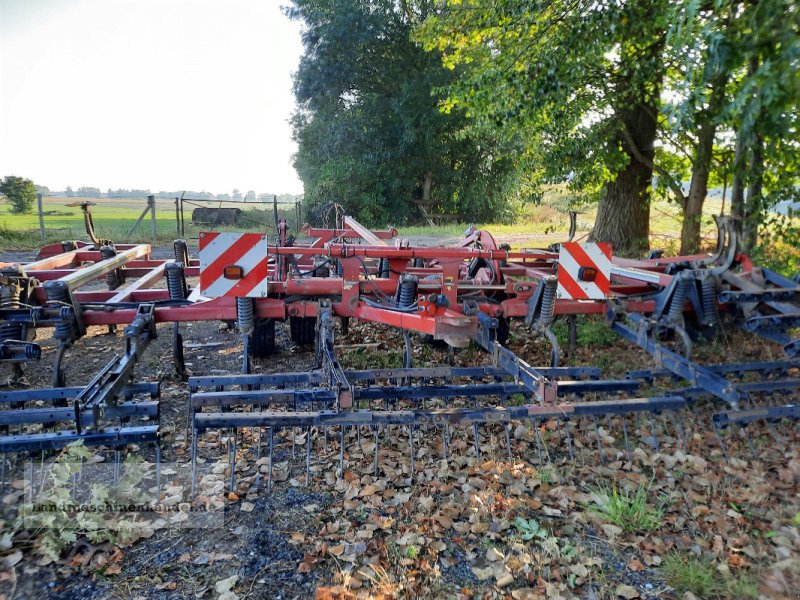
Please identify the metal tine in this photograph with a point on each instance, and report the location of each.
(30, 477)
(508, 443)
(294, 443)
(678, 427)
(569, 440)
(258, 455)
(625, 433)
(599, 442)
(444, 442)
(158, 472)
(3, 475)
(116, 466)
(308, 455)
(194, 459)
(535, 423)
(746, 433)
(653, 431)
(325, 440)
(721, 442)
(341, 452)
(269, 470)
(774, 433)
(411, 446)
(232, 461)
(477, 444)
(377, 443)
(41, 474)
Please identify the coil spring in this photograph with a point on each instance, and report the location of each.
(10, 294)
(176, 281)
(66, 328)
(710, 310)
(245, 314)
(548, 308)
(339, 268)
(113, 278)
(678, 300)
(10, 331)
(181, 251)
(407, 290)
(383, 268)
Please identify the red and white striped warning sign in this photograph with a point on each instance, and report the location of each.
(245, 250)
(584, 271)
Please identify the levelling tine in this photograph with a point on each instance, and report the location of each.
(341, 452)
(599, 443)
(41, 475)
(653, 430)
(444, 442)
(719, 437)
(294, 443)
(625, 433)
(233, 462)
(411, 446)
(116, 465)
(677, 422)
(477, 444)
(308, 455)
(746, 433)
(508, 443)
(569, 440)
(774, 433)
(194, 459)
(377, 440)
(535, 425)
(325, 440)
(30, 478)
(269, 471)
(158, 471)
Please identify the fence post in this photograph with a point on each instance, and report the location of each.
(41, 216)
(151, 202)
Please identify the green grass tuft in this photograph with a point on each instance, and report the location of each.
(628, 510)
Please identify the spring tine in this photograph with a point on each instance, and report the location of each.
(653, 430)
(679, 428)
(194, 459)
(411, 446)
(294, 443)
(116, 466)
(308, 456)
(30, 478)
(3, 475)
(558, 428)
(325, 440)
(749, 441)
(477, 445)
(444, 442)
(41, 475)
(233, 462)
(569, 440)
(535, 423)
(508, 443)
(625, 433)
(774, 433)
(158, 472)
(377, 443)
(258, 455)
(358, 435)
(269, 471)
(599, 443)
(341, 452)
(719, 437)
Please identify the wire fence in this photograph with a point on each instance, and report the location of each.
(142, 219)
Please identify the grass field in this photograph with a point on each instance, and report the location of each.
(114, 218)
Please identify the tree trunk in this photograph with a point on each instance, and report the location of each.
(623, 216)
(701, 167)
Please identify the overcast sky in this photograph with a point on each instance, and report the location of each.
(148, 94)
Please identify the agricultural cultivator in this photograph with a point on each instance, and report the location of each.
(453, 296)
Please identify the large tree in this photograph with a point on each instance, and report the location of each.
(20, 192)
(370, 133)
(576, 83)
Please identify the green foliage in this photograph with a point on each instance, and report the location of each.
(20, 193)
(628, 510)
(370, 135)
(687, 573)
(779, 244)
(529, 529)
(62, 524)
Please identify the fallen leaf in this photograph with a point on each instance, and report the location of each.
(626, 591)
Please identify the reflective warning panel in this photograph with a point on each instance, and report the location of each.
(233, 264)
(584, 271)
